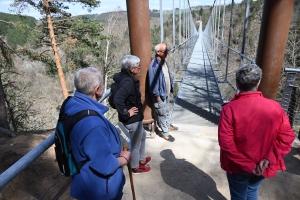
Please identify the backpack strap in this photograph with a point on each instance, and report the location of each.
(62, 108)
(73, 120)
(76, 118)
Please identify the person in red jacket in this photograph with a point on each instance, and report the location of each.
(254, 135)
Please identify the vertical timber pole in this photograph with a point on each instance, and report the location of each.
(140, 44)
(273, 36)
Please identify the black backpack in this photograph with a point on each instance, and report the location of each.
(64, 157)
(113, 89)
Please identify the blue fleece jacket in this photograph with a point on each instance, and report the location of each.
(96, 140)
(156, 80)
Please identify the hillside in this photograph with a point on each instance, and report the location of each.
(16, 37)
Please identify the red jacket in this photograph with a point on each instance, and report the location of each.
(252, 128)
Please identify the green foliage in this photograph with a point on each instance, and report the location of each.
(201, 12)
(155, 35)
(79, 38)
(154, 13)
(17, 30)
(56, 7)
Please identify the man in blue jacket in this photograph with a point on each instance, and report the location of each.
(160, 86)
(95, 142)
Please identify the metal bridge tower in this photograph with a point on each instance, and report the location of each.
(273, 36)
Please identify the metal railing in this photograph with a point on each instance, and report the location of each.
(290, 99)
(225, 58)
(31, 156)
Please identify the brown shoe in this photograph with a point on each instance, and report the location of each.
(173, 128)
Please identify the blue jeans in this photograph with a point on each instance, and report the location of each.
(244, 186)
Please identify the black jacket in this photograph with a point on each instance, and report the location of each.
(128, 96)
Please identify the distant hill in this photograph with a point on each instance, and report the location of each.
(103, 16)
(13, 35)
(99, 17)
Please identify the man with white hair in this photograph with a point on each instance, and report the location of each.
(160, 86)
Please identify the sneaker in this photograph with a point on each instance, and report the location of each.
(173, 128)
(142, 169)
(148, 160)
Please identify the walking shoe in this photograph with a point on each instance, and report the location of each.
(150, 135)
(141, 169)
(147, 161)
(169, 138)
(173, 128)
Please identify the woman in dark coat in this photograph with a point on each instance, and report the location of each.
(130, 111)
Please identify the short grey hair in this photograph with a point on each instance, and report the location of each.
(248, 77)
(129, 61)
(157, 47)
(87, 79)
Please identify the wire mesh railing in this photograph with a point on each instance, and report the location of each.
(229, 41)
(289, 97)
(183, 38)
(223, 51)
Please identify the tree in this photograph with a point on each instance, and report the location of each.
(5, 63)
(59, 9)
(110, 23)
(293, 49)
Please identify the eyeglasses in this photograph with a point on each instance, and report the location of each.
(137, 66)
(165, 51)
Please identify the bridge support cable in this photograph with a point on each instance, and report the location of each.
(184, 41)
(245, 30)
(161, 18)
(215, 43)
(222, 38)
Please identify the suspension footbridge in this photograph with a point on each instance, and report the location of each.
(189, 167)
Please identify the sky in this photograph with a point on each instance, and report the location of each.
(111, 5)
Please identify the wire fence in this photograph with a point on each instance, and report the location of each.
(289, 97)
(230, 43)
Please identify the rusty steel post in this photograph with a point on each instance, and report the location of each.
(272, 43)
(140, 44)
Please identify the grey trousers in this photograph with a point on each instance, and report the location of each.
(138, 137)
(162, 109)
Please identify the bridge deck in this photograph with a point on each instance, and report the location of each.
(199, 100)
(189, 168)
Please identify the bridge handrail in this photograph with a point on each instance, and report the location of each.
(182, 43)
(32, 155)
(230, 48)
(291, 70)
